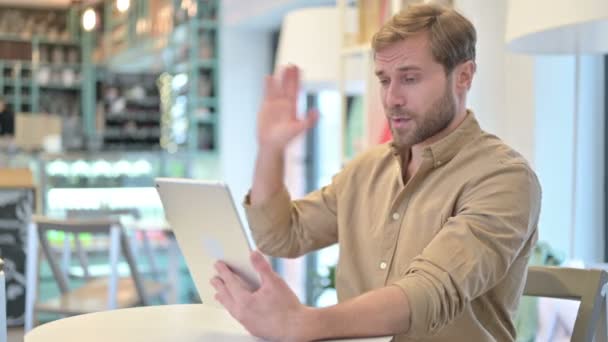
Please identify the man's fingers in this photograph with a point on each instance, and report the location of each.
(271, 87)
(291, 82)
(262, 266)
(223, 294)
(302, 125)
(235, 285)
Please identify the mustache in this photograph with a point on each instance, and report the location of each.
(400, 113)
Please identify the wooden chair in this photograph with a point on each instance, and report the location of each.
(81, 254)
(153, 268)
(97, 294)
(132, 213)
(587, 286)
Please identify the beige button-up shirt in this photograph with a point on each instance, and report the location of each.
(456, 238)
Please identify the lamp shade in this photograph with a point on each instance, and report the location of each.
(310, 38)
(557, 26)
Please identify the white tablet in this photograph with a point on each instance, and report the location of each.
(207, 226)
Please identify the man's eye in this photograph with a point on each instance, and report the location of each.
(384, 82)
(410, 79)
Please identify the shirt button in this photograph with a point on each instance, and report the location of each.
(396, 216)
(383, 265)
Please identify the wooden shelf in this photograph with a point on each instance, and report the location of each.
(75, 87)
(36, 39)
(194, 51)
(9, 64)
(59, 66)
(145, 102)
(135, 116)
(56, 42)
(358, 86)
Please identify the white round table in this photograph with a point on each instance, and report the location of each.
(184, 323)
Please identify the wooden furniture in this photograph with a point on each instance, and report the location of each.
(135, 225)
(588, 286)
(97, 294)
(81, 253)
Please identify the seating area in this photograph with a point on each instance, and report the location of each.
(97, 294)
(587, 286)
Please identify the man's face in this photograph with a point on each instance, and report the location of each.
(417, 95)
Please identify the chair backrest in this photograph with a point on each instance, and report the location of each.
(103, 213)
(588, 286)
(110, 226)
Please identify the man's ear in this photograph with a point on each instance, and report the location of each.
(464, 75)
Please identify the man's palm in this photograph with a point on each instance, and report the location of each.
(278, 122)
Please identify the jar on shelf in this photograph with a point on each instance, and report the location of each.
(73, 56)
(67, 77)
(205, 87)
(57, 55)
(43, 75)
(43, 54)
(206, 50)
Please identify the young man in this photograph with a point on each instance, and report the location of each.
(435, 228)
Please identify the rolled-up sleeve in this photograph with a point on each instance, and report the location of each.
(473, 251)
(285, 228)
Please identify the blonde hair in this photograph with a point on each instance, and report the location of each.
(452, 37)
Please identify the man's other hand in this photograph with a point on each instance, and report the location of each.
(272, 312)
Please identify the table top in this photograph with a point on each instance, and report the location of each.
(186, 323)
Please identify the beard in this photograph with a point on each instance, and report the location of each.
(425, 125)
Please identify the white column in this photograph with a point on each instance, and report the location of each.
(554, 143)
(245, 60)
(487, 96)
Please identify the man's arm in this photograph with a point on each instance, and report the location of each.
(268, 175)
(496, 219)
(381, 312)
(273, 312)
(279, 226)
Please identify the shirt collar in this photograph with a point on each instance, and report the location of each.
(442, 151)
